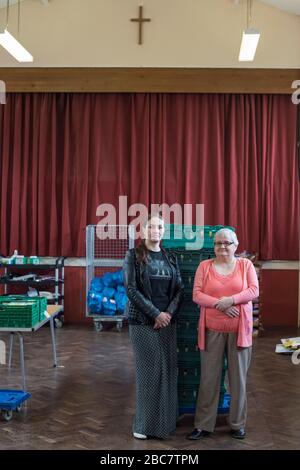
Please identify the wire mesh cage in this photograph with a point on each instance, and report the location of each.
(106, 246)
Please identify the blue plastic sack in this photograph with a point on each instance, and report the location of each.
(121, 300)
(109, 292)
(96, 285)
(95, 302)
(108, 280)
(118, 277)
(109, 306)
(121, 289)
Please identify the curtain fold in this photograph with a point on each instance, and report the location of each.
(62, 155)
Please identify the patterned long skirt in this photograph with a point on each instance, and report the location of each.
(156, 379)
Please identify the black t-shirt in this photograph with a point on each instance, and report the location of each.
(160, 275)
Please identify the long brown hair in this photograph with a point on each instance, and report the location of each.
(141, 249)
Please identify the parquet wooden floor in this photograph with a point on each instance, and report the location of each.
(89, 402)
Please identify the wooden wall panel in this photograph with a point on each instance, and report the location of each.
(173, 80)
(75, 296)
(279, 297)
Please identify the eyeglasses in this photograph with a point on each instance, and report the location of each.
(219, 244)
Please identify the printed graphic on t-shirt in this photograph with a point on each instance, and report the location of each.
(159, 269)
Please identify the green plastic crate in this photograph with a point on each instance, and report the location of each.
(188, 316)
(188, 277)
(190, 259)
(187, 394)
(190, 356)
(184, 325)
(189, 366)
(177, 236)
(189, 375)
(18, 314)
(189, 369)
(187, 344)
(188, 384)
(40, 302)
(188, 309)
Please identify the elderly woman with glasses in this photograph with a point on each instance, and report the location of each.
(224, 287)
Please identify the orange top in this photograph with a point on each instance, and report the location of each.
(241, 285)
(219, 285)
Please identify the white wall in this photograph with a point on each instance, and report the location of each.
(182, 33)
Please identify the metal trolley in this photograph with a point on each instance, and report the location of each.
(106, 246)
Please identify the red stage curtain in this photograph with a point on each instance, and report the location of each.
(64, 154)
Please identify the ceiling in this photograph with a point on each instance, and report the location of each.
(3, 3)
(292, 6)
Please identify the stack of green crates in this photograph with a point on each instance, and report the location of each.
(18, 311)
(178, 236)
(189, 367)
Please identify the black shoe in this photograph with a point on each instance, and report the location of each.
(197, 434)
(238, 433)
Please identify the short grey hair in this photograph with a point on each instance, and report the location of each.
(229, 233)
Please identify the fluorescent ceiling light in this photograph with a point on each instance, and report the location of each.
(249, 44)
(14, 47)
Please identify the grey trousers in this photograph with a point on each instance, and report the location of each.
(211, 372)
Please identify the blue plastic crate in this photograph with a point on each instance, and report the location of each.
(190, 408)
(223, 408)
(11, 400)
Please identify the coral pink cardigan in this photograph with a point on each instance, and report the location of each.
(243, 299)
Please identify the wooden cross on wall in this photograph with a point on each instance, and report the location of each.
(140, 20)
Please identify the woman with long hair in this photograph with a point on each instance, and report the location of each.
(154, 289)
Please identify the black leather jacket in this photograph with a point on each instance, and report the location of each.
(140, 309)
